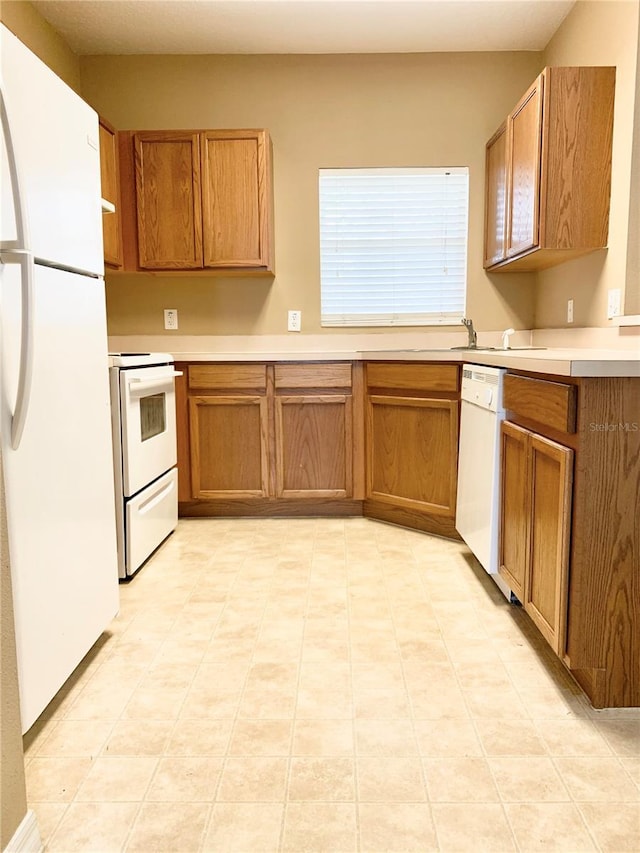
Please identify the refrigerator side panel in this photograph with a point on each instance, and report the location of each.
(56, 140)
(60, 495)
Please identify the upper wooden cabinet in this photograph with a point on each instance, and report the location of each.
(236, 181)
(199, 200)
(496, 202)
(110, 189)
(168, 200)
(548, 172)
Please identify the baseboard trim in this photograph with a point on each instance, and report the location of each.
(26, 838)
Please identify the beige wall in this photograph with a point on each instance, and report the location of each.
(370, 110)
(597, 33)
(632, 292)
(12, 786)
(31, 28)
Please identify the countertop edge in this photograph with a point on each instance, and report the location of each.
(575, 363)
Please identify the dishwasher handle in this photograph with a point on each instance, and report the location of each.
(486, 397)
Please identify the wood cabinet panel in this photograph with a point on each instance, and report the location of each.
(314, 446)
(313, 375)
(524, 171)
(552, 404)
(227, 376)
(110, 189)
(168, 200)
(604, 591)
(577, 140)
(551, 474)
(236, 199)
(496, 198)
(515, 498)
(229, 450)
(535, 521)
(412, 447)
(413, 377)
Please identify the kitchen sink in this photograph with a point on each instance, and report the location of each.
(493, 349)
(473, 349)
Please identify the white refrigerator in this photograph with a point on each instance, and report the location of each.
(54, 396)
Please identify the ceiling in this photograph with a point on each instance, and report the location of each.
(303, 26)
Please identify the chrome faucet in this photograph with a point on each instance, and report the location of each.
(473, 337)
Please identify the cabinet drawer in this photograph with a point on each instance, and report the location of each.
(550, 403)
(417, 377)
(313, 375)
(219, 376)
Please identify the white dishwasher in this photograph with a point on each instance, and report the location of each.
(478, 501)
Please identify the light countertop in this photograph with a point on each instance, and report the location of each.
(562, 361)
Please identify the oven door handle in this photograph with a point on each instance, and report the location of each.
(141, 384)
(156, 498)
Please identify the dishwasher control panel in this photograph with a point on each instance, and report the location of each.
(482, 386)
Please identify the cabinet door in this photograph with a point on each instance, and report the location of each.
(412, 448)
(229, 446)
(495, 221)
(524, 171)
(110, 189)
(168, 200)
(236, 192)
(515, 501)
(314, 446)
(551, 474)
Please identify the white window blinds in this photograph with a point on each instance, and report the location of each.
(393, 246)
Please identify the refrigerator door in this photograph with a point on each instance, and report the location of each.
(59, 483)
(55, 135)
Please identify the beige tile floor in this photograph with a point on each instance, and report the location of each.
(334, 685)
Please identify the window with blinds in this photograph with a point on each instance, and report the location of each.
(393, 246)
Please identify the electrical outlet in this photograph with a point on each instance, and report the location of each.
(613, 303)
(171, 318)
(570, 311)
(294, 323)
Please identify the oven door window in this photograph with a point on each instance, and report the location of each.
(153, 416)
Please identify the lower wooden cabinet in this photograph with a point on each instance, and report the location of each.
(255, 434)
(535, 527)
(229, 449)
(412, 444)
(314, 444)
(570, 506)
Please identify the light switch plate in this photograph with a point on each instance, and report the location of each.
(570, 311)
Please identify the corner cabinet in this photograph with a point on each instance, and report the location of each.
(548, 172)
(199, 200)
(412, 417)
(270, 439)
(110, 189)
(569, 509)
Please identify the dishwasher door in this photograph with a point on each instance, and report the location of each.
(478, 501)
(477, 506)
